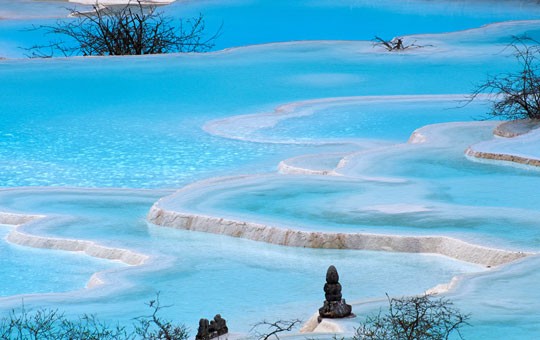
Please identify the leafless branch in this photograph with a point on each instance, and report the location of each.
(414, 318)
(272, 329)
(395, 44)
(133, 29)
(515, 95)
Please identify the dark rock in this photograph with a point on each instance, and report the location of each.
(213, 329)
(335, 310)
(334, 306)
(203, 333)
(219, 325)
(332, 275)
(332, 291)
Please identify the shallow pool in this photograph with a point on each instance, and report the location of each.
(199, 274)
(37, 271)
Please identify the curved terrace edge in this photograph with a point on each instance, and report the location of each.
(442, 245)
(89, 248)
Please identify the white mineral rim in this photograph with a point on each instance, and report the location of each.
(89, 248)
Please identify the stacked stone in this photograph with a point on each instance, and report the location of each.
(334, 306)
(213, 329)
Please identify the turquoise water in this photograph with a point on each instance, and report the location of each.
(502, 303)
(200, 274)
(370, 120)
(260, 21)
(248, 22)
(105, 123)
(137, 123)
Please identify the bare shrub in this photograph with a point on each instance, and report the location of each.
(265, 330)
(133, 29)
(50, 324)
(394, 44)
(414, 318)
(515, 95)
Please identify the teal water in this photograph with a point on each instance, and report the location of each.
(28, 9)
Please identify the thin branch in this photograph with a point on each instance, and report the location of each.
(272, 329)
(132, 29)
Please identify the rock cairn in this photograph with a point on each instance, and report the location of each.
(212, 329)
(334, 306)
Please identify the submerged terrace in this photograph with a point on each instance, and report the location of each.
(293, 125)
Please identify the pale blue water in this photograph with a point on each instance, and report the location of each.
(36, 271)
(504, 301)
(200, 274)
(137, 123)
(27, 9)
(324, 204)
(107, 123)
(371, 120)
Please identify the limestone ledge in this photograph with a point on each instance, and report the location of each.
(502, 157)
(442, 245)
(88, 247)
(444, 287)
